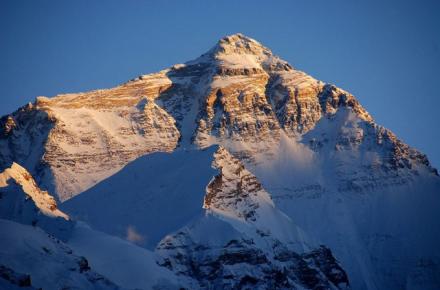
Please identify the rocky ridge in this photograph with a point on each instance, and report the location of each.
(21, 200)
(243, 242)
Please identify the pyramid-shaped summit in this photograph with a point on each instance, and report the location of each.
(239, 51)
(239, 44)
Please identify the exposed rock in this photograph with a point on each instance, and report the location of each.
(234, 188)
(21, 200)
(231, 262)
(16, 279)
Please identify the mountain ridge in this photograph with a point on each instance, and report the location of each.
(296, 100)
(300, 152)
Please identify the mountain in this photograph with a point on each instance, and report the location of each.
(237, 171)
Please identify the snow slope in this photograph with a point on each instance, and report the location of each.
(377, 212)
(152, 196)
(17, 175)
(50, 263)
(23, 201)
(128, 265)
(219, 256)
(234, 202)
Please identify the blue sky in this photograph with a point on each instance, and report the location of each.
(387, 53)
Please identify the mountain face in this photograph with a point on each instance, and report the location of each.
(231, 171)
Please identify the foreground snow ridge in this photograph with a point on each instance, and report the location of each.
(231, 171)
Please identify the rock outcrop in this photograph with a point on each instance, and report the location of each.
(225, 259)
(21, 200)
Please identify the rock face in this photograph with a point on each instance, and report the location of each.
(226, 260)
(62, 140)
(234, 188)
(296, 156)
(21, 200)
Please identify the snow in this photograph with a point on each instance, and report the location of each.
(292, 165)
(334, 185)
(49, 262)
(126, 264)
(142, 197)
(273, 223)
(212, 244)
(21, 200)
(234, 61)
(43, 201)
(82, 134)
(253, 201)
(220, 232)
(380, 234)
(296, 79)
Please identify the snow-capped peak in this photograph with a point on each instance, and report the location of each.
(237, 51)
(300, 150)
(239, 43)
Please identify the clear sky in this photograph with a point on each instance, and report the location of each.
(387, 53)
